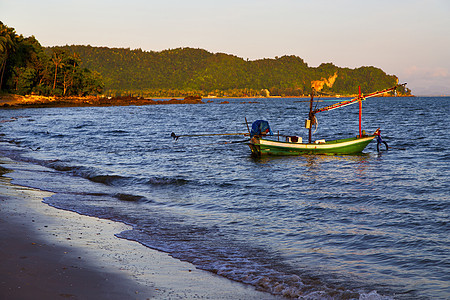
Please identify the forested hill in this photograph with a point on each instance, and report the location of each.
(188, 70)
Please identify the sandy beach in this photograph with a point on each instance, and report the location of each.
(48, 253)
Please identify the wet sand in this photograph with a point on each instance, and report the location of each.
(48, 253)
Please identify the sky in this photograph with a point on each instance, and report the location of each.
(406, 38)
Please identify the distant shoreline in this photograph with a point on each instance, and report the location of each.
(35, 101)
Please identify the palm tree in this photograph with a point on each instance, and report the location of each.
(7, 44)
(57, 60)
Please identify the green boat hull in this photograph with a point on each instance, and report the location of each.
(261, 146)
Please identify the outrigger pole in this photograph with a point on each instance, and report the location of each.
(311, 119)
(360, 97)
(176, 137)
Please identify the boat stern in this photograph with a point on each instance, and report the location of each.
(254, 145)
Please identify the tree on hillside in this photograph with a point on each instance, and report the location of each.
(7, 45)
(29, 58)
(57, 61)
(26, 67)
(69, 67)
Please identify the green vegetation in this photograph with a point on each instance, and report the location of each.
(28, 68)
(188, 71)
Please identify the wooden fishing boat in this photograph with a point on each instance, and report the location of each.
(261, 145)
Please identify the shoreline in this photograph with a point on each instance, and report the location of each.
(49, 253)
(12, 101)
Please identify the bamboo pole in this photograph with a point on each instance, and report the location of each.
(175, 137)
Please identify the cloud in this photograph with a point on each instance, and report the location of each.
(420, 72)
(427, 80)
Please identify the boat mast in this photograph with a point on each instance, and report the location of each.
(310, 120)
(360, 110)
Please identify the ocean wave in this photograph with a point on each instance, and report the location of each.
(59, 166)
(118, 180)
(253, 268)
(79, 171)
(86, 124)
(112, 180)
(166, 181)
(117, 132)
(95, 175)
(129, 197)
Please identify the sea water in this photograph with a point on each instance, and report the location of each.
(374, 225)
